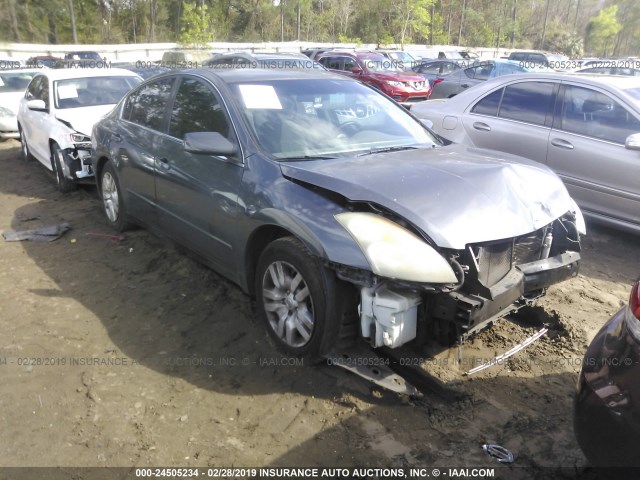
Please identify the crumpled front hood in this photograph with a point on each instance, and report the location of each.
(82, 119)
(457, 195)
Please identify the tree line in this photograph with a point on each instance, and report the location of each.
(574, 27)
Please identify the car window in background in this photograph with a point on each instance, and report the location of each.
(431, 68)
(196, 109)
(147, 106)
(481, 72)
(15, 81)
(527, 102)
(489, 104)
(594, 114)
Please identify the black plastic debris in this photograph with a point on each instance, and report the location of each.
(42, 234)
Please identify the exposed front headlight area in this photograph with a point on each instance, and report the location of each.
(394, 252)
(77, 160)
(413, 283)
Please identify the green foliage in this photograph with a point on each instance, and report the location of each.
(195, 30)
(602, 30)
(604, 27)
(569, 44)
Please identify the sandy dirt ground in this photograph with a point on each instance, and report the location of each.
(129, 353)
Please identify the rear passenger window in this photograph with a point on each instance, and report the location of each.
(147, 106)
(489, 104)
(594, 114)
(196, 109)
(527, 102)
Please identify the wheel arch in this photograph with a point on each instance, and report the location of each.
(278, 225)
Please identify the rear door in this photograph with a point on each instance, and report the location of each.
(144, 118)
(197, 194)
(586, 148)
(514, 119)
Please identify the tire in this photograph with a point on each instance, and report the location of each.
(24, 148)
(64, 184)
(305, 320)
(112, 199)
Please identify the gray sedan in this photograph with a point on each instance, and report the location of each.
(449, 85)
(586, 128)
(333, 206)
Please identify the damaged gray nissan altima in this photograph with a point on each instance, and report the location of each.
(338, 210)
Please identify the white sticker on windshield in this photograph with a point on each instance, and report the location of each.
(1, 82)
(67, 91)
(260, 96)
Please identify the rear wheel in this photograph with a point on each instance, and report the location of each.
(297, 299)
(65, 185)
(112, 200)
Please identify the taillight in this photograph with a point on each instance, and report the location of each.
(437, 80)
(634, 300)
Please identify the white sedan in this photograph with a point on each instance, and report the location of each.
(57, 114)
(13, 83)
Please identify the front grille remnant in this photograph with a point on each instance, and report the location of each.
(495, 259)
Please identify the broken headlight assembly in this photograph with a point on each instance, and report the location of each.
(394, 252)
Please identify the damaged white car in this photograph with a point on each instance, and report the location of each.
(57, 114)
(339, 211)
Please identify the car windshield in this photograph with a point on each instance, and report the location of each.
(91, 91)
(15, 81)
(304, 119)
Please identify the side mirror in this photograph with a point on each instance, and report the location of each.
(210, 143)
(37, 105)
(427, 123)
(632, 142)
(357, 70)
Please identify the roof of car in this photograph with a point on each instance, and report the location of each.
(66, 73)
(236, 75)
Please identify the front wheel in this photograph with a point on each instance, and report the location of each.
(65, 185)
(112, 200)
(24, 148)
(296, 299)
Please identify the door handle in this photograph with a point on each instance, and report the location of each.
(481, 126)
(560, 143)
(164, 163)
(465, 85)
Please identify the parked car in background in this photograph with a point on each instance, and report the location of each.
(142, 68)
(458, 81)
(43, 61)
(607, 403)
(533, 60)
(586, 128)
(57, 113)
(433, 69)
(262, 60)
(83, 55)
(318, 194)
(312, 53)
(184, 58)
(13, 83)
(609, 71)
(378, 72)
(404, 60)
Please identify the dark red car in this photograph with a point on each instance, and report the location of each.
(380, 72)
(607, 406)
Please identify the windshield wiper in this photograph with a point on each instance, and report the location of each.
(388, 149)
(306, 157)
